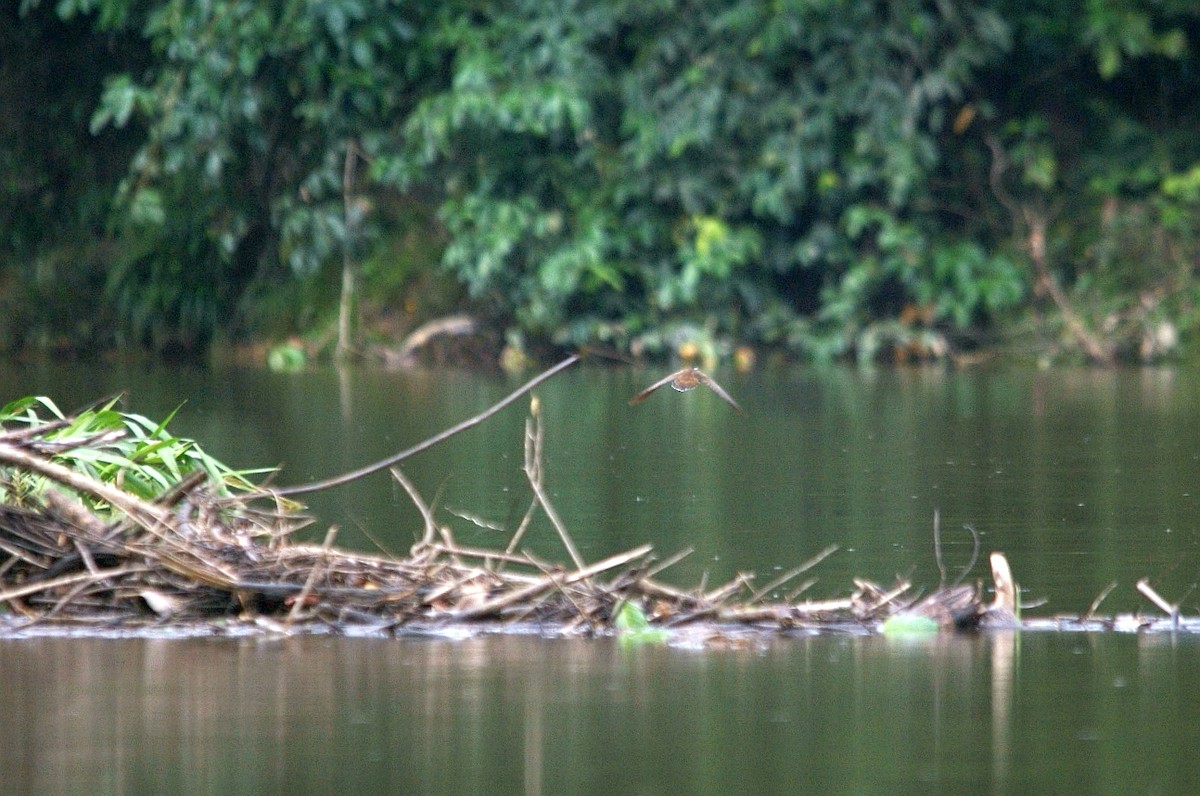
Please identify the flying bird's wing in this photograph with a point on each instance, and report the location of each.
(707, 381)
(700, 377)
(642, 395)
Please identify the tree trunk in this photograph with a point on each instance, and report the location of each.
(348, 305)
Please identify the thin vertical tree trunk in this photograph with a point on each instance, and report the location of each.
(348, 305)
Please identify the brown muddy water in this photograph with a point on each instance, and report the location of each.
(1081, 477)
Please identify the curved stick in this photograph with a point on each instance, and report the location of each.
(383, 464)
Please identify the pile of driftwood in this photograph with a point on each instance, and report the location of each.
(80, 550)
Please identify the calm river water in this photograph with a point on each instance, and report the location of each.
(1082, 477)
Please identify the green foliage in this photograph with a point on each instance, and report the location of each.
(1086, 137)
(249, 110)
(127, 449)
(831, 176)
(631, 165)
(1117, 32)
(56, 179)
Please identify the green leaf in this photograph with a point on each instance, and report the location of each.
(147, 207)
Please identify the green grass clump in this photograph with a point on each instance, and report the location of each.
(124, 449)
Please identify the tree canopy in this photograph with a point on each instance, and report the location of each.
(829, 177)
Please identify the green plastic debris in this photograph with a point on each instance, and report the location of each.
(901, 625)
(634, 628)
(287, 358)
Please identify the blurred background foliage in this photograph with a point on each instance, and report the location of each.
(827, 178)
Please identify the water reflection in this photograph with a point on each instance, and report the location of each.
(1081, 477)
(849, 714)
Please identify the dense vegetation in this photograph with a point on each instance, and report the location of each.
(828, 177)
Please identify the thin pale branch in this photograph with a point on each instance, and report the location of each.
(396, 458)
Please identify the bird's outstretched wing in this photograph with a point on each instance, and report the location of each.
(700, 376)
(660, 383)
(707, 381)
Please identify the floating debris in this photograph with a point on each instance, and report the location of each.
(110, 525)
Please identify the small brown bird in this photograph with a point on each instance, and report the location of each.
(684, 380)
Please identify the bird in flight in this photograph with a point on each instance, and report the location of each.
(684, 380)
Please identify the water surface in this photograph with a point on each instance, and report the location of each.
(831, 714)
(1082, 477)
